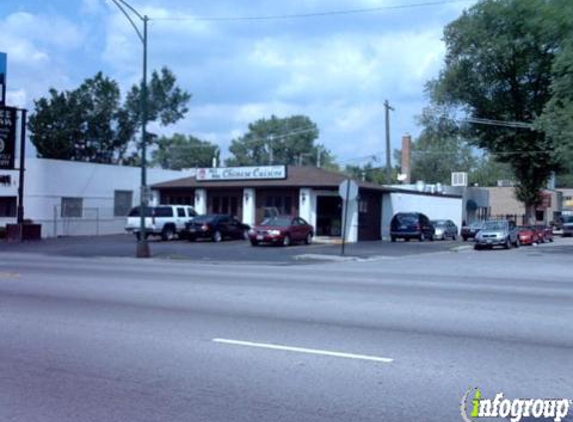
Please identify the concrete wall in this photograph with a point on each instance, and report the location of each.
(47, 181)
(434, 206)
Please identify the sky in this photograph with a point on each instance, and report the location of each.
(335, 68)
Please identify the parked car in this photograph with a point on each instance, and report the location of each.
(544, 233)
(527, 235)
(497, 233)
(567, 224)
(282, 230)
(470, 231)
(216, 227)
(444, 229)
(411, 225)
(166, 221)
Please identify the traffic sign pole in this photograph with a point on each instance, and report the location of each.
(345, 216)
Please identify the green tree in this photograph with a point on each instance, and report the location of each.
(557, 118)
(289, 141)
(85, 124)
(89, 123)
(440, 149)
(180, 151)
(498, 66)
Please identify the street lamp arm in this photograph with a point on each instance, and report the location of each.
(120, 4)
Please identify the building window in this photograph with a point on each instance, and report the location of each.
(283, 204)
(72, 207)
(122, 202)
(363, 206)
(7, 206)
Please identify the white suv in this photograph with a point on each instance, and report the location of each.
(166, 221)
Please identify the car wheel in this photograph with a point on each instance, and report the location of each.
(454, 237)
(308, 239)
(406, 239)
(507, 244)
(477, 247)
(465, 238)
(246, 234)
(393, 238)
(168, 233)
(517, 244)
(217, 237)
(422, 237)
(191, 238)
(254, 243)
(286, 240)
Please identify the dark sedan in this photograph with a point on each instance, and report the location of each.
(216, 227)
(469, 232)
(282, 230)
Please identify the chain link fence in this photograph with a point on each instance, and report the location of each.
(88, 221)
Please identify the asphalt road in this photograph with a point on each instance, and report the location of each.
(227, 251)
(115, 339)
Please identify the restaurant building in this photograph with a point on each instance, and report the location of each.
(251, 193)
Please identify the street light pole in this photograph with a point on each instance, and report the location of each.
(142, 250)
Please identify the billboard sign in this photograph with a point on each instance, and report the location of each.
(8, 120)
(3, 66)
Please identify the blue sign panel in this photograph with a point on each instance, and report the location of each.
(3, 66)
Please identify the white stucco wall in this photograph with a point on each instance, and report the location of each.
(249, 209)
(351, 230)
(200, 201)
(47, 181)
(307, 205)
(434, 206)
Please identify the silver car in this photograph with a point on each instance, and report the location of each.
(445, 229)
(497, 233)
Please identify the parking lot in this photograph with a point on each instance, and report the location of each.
(123, 246)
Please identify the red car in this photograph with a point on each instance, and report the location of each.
(282, 230)
(527, 235)
(544, 233)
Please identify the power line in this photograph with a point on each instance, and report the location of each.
(310, 15)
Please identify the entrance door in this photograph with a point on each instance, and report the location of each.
(328, 216)
(226, 202)
(369, 216)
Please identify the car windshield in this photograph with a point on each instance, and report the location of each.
(276, 221)
(494, 225)
(407, 218)
(525, 228)
(476, 225)
(439, 223)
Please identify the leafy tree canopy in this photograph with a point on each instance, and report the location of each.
(90, 123)
(180, 151)
(289, 141)
(498, 66)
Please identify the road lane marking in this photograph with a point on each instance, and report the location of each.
(302, 350)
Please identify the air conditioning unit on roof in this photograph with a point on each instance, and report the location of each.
(459, 179)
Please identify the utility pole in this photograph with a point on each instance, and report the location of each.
(142, 249)
(271, 157)
(387, 109)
